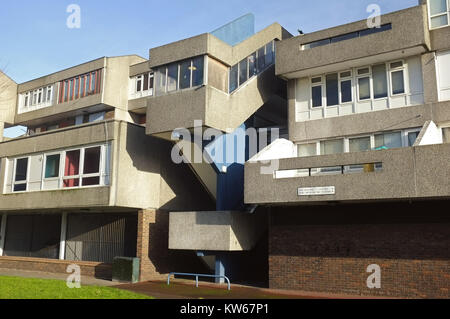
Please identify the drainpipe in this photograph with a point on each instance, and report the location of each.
(62, 241)
(3, 233)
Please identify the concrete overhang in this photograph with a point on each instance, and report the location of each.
(215, 231)
(408, 35)
(207, 44)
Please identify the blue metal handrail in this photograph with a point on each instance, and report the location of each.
(196, 278)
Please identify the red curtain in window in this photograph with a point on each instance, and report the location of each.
(72, 168)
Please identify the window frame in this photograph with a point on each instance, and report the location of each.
(368, 75)
(430, 17)
(394, 70)
(320, 84)
(14, 183)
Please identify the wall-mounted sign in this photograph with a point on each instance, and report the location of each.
(316, 191)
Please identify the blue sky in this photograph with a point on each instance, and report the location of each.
(35, 41)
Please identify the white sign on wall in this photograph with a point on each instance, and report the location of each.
(316, 191)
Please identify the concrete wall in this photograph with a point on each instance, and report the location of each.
(114, 91)
(215, 230)
(215, 108)
(414, 172)
(409, 29)
(207, 44)
(8, 99)
(364, 123)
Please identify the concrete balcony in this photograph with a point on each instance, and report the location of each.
(421, 172)
(215, 108)
(408, 35)
(215, 231)
(109, 91)
(136, 168)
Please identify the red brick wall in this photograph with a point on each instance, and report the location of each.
(157, 261)
(89, 269)
(313, 255)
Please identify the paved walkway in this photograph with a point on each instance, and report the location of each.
(87, 281)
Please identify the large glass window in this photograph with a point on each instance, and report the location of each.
(72, 169)
(234, 78)
(172, 77)
(161, 81)
(317, 96)
(243, 71)
(388, 140)
(332, 89)
(306, 150)
(412, 137)
(332, 147)
(91, 167)
(80, 86)
(380, 86)
(185, 75)
(360, 144)
(198, 71)
(346, 86)
(364, 88)
(398, 82)
(439, 13)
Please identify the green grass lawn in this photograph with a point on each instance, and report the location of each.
(29, 288)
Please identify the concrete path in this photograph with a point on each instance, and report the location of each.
(87, 281)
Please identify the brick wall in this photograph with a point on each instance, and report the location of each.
(89, 269)
(330, 248)
(157, 261)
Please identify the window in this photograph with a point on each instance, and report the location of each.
(360, 144)
(332, 147)
(438, 13)
(252, 65)
(317, 96)
(172, 77)
(380, 85)
(388, 140)
(52, 166)
(80, 86)
(243, 71)
(347, 36)
(161, 80)
(332, 86)
(20, 175)
(185, 75)
(36, 99)
(412, 137)
(364, 88)
(143, 85)
(306, 150)
(139, 83)
(198, 71)
(91, 167)
(72, 169)
(346, 87)
(234, 78)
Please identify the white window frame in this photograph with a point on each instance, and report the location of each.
(362, 76)
(14, 183)
(390, 82)
(345, 79)
(323, 88)
(29, 101)
(51, 179)
(430, 17)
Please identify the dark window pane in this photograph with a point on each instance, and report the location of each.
(317, 96)
(52, 166)
(347, 36)
(412, 137)
(233, 78)
(172, 77)
(145, 88)
(91, 181)
(269, 54)
(185, 74)
(151, 81)
(261, 59)
(71, 183)
(243, 71)
(332, 89)
(139, 84)
(20, 188)
(92, 160)
(383, 28)
(197, 71)
(346, 91)
(21, 169)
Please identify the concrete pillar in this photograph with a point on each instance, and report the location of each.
(3, 233)
(430, 85)
(220, 269)
(2, 126)
(62, 241)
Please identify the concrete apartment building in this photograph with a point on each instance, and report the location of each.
(362, 174)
